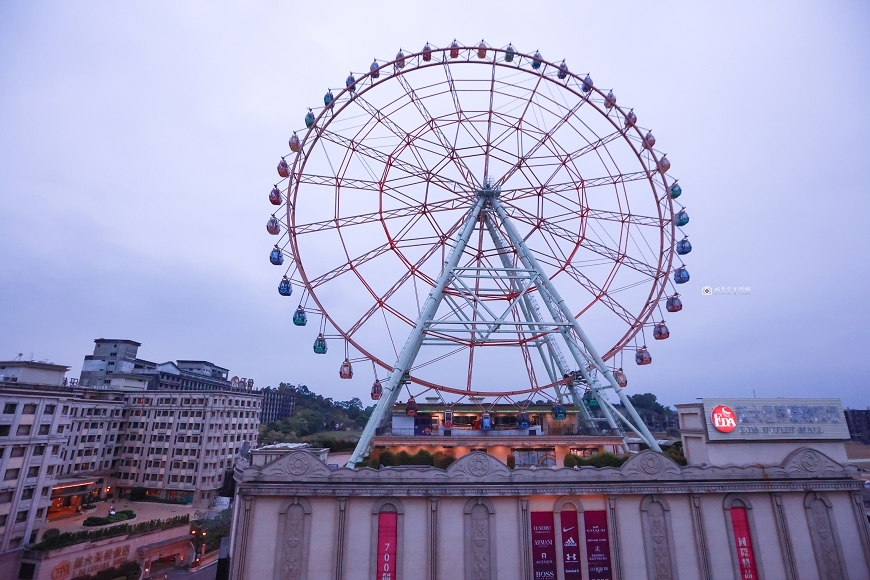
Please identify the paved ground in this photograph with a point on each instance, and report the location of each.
(144, 511)
(206, 573)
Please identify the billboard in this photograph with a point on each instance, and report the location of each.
(774, 419)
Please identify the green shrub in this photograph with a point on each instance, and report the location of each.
(105, 521)
(600, 460)
(675, 452)
(442, 460)
(70, 538)
(387, 458)
(422, 457)
(50, 533)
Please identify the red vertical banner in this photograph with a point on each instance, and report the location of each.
(743, 541)
(387, 539)
(597, 545)
(543, 546)
(570, 535)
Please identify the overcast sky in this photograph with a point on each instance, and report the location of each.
(138, 142)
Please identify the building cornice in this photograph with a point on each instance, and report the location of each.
(298, 472)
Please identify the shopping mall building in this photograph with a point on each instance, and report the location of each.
(767, 494)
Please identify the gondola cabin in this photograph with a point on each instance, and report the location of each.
(276, 257)
(345, 371)
(642, 356)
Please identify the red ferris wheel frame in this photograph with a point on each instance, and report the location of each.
(650, 171)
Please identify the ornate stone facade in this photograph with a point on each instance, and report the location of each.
(663, 521)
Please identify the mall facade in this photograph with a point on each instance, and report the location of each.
(767, 494)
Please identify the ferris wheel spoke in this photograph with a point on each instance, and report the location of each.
(378, 216)
(489, 122)
(445, 183)
(574, 209)
(413, 269)
(541, 142)
(600, 294)
(404, 136)
(349, 265)
(616, 256)
(510, 194)
(466, 173)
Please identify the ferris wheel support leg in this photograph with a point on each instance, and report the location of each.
(415, 340)
(532, 263)
(528, 311)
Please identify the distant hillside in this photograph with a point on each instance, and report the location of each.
(316, 414)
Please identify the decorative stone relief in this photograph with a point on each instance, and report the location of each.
(293, 537)
(478, 465)
(811, 462)
(294, 532)
(649, 463)
(480, 567)
(296, 464)
(825, 542)
(479, 547)
(660, 548)
(658, 538)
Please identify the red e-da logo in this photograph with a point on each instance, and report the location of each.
(724, 419)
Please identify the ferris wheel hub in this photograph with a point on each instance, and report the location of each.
(489, 190)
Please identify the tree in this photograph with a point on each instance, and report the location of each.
(648, 401)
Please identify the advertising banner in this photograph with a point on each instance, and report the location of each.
(774, 419)
(571, 546)
(387, 537)
(743, 541)
(597, 545)
(543, 546)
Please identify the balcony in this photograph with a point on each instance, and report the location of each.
(458, 432)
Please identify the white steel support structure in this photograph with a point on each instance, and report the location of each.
(488, 323)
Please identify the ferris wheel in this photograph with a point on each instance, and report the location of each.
(482, 225)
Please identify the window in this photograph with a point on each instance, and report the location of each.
(44, 429)
(50, 470)
(33, 471)
(3, 519)
(11, 474)
(45, 491)
(39, 513)
(27, 571)
(49, 409)
(9, 408)
(18, 451)
(60, 429)
(545, 457)
(39, 450)
(55, 449)
(4, 430)
(29, 409)
(5, 496)
(23, 430)
(21, 516)
(27, 493)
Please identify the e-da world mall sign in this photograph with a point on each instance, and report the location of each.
(774, 419)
